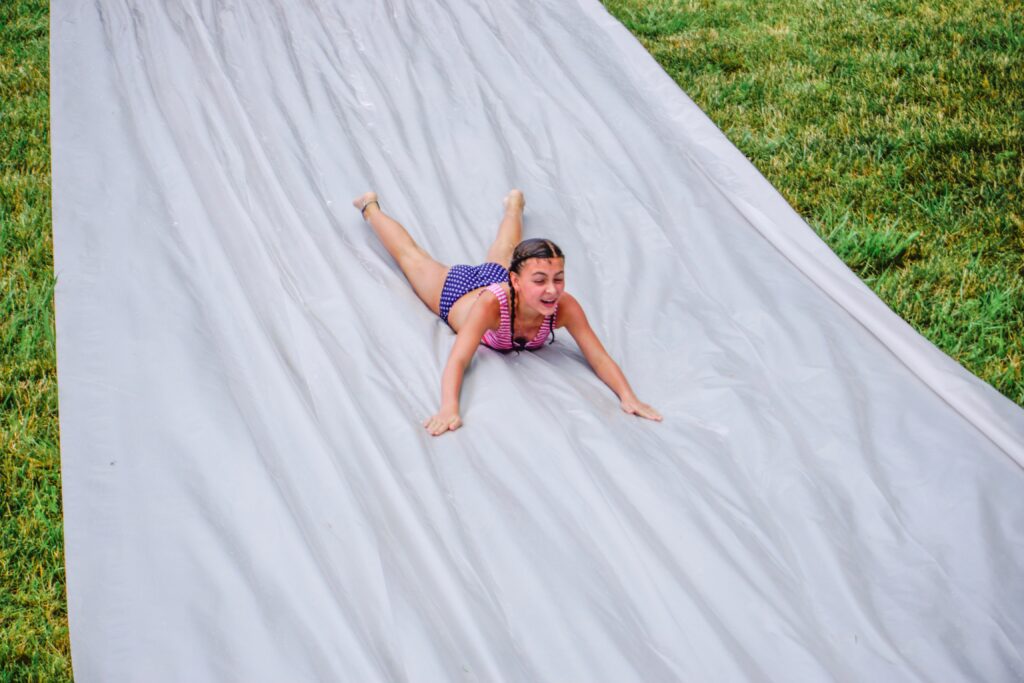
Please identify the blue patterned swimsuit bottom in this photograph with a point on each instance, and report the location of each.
(463, 278)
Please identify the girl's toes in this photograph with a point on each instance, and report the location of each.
(514, 199)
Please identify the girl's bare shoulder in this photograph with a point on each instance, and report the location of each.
(487, 300)
(568, 309)
(486, 309)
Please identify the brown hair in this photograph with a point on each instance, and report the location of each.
(534, 247)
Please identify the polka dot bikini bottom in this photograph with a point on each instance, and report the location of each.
(463, 278)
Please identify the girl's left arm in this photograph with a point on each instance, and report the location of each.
(571, 315)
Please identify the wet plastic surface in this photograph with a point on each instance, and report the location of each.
(248, 492)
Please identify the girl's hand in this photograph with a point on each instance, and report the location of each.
(446, 420)
(634, 406)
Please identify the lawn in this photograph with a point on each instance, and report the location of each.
(33, 610)
(894, 128)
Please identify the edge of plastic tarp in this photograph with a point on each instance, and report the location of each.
(996, 416)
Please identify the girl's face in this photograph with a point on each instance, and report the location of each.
(540, 283)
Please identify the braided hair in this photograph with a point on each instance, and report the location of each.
(528, 249)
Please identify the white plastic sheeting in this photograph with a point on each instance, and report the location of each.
(248, 492)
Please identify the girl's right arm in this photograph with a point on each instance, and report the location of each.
(483, 316)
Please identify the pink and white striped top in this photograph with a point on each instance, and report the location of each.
(501, 339)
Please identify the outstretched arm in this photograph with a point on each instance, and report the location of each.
(481, 317)
(571, 314)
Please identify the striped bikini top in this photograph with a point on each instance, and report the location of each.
(501, 339)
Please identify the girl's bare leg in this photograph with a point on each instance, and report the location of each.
(421, 270)
(510, 232)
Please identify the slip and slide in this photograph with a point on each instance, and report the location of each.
(248, 491)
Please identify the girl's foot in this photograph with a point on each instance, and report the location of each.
(364, 200)
(514, 201)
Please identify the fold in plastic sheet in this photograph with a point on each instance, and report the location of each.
(248, 492)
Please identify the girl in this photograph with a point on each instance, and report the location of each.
(515, 300)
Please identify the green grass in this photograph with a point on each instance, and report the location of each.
(894, 127)
(33, 613)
